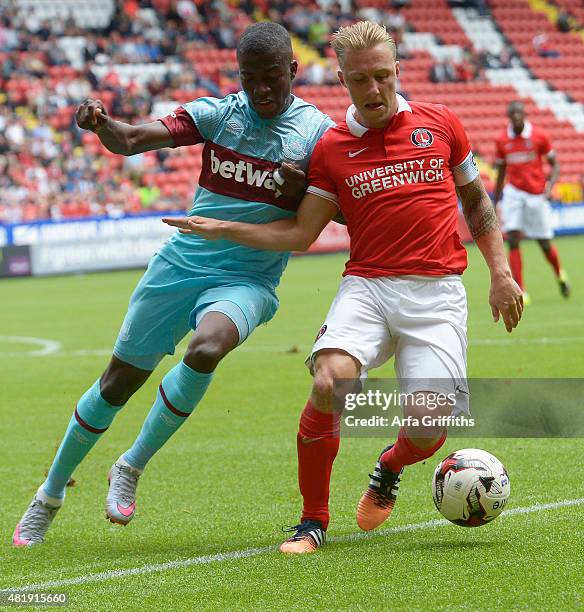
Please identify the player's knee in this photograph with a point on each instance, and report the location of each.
(329, 390)
(120, 381)
(334, 376)
(205, 355)
(115, 389)
(322, 391)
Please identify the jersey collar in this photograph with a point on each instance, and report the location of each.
(358, 130)
(525, 132)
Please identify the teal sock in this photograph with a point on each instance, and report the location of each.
(91, 418)
(178, 395)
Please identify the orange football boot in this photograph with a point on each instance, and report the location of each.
(377, 502)
(308, 536)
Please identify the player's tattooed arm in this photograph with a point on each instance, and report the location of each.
(477, 208)
(505, 296)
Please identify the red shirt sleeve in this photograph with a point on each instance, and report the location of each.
(317, 172)
(460, 143)
(182, 128)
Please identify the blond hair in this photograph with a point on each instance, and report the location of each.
(359, 36)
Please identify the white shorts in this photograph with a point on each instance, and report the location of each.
(421, 320)
(527, 213)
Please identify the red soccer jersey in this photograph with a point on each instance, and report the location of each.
(396, 189)
(523, 156)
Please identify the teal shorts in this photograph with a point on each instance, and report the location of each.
(169, 301)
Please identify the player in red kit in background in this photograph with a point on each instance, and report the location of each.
(393, 169)
(525, 204)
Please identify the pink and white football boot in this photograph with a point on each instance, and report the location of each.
(120, 505)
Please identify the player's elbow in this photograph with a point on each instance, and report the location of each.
(303, 242)
(129, 148)
(122, 147)
(130, 142)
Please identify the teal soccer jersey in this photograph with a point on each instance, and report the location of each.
(190, 276)
(241, 151)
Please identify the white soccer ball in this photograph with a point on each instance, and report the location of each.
(470, 487)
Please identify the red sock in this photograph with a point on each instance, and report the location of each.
(554, 258)
(317, 444)
(403, 452)
(516, 266)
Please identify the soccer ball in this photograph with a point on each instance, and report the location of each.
(470, 487)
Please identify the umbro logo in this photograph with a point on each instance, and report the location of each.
(354, 153)
(234, 127)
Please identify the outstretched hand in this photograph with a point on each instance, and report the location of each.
(506, 300)
(205, 227)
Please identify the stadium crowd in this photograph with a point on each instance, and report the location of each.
(49, 169)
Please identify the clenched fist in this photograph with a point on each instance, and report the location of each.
(291, 180)
(91, 115)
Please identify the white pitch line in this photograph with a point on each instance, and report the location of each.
(254, 552)
(48, 347)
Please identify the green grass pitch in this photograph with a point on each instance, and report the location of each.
(226, 482)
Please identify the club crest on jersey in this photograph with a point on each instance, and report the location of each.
(422, 137)
(294, 147)
(321, 332)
